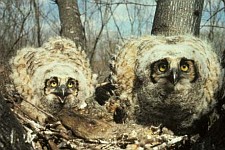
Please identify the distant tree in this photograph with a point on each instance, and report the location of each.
(37, 21)
(71, 26)
(177, 17)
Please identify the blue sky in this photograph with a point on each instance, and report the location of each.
(122, 19)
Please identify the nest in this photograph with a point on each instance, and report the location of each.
(74, 129)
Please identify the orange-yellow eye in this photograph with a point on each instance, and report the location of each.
(184, 67)
(70, 84)
(163, 67)
(53, 84)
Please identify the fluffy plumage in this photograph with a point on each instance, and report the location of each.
(54, 76)
(171, 81)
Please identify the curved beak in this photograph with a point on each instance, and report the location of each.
(174, 76)
(61, 92)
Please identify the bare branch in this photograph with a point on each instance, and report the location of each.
(213, 15)
(223, 3)
(213, 26)
(21, 28)
(104, 20)
(123, 3)
(117, 27)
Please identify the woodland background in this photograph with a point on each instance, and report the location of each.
(99, 25)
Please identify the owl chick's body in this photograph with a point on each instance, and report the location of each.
(54, 76)
(169, 81)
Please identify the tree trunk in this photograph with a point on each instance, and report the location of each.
(37, 20)
(71, 26)
(173, 17)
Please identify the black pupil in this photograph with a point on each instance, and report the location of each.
(70, 83)
(185, 65)
(162, 67)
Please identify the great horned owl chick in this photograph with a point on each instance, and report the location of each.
(171, 81)
(54, 76)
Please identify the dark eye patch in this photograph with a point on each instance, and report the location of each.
(73, 86)
(51, 80)
(158, 67)
(163, 67)
(48, 83)
(188, 66)
(184, 66)
(73, 82)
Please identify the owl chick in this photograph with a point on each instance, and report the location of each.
(54, 76)
(169, 81)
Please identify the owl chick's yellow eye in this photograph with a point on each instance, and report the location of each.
(184, 67)
(53, 84)
(70, 85)
(163, 67)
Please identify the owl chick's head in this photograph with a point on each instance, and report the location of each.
(61, 89)
(183, 60)
(172, 71)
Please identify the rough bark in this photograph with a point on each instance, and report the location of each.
(71, 26)
(37, 22)
(173, 17)
(11, 131)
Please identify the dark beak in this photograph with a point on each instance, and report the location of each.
(61, 93)
(174, 76)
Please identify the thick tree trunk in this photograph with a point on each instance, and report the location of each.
(71, 26)
(11, 131)
(173, 17)
(37, 20)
